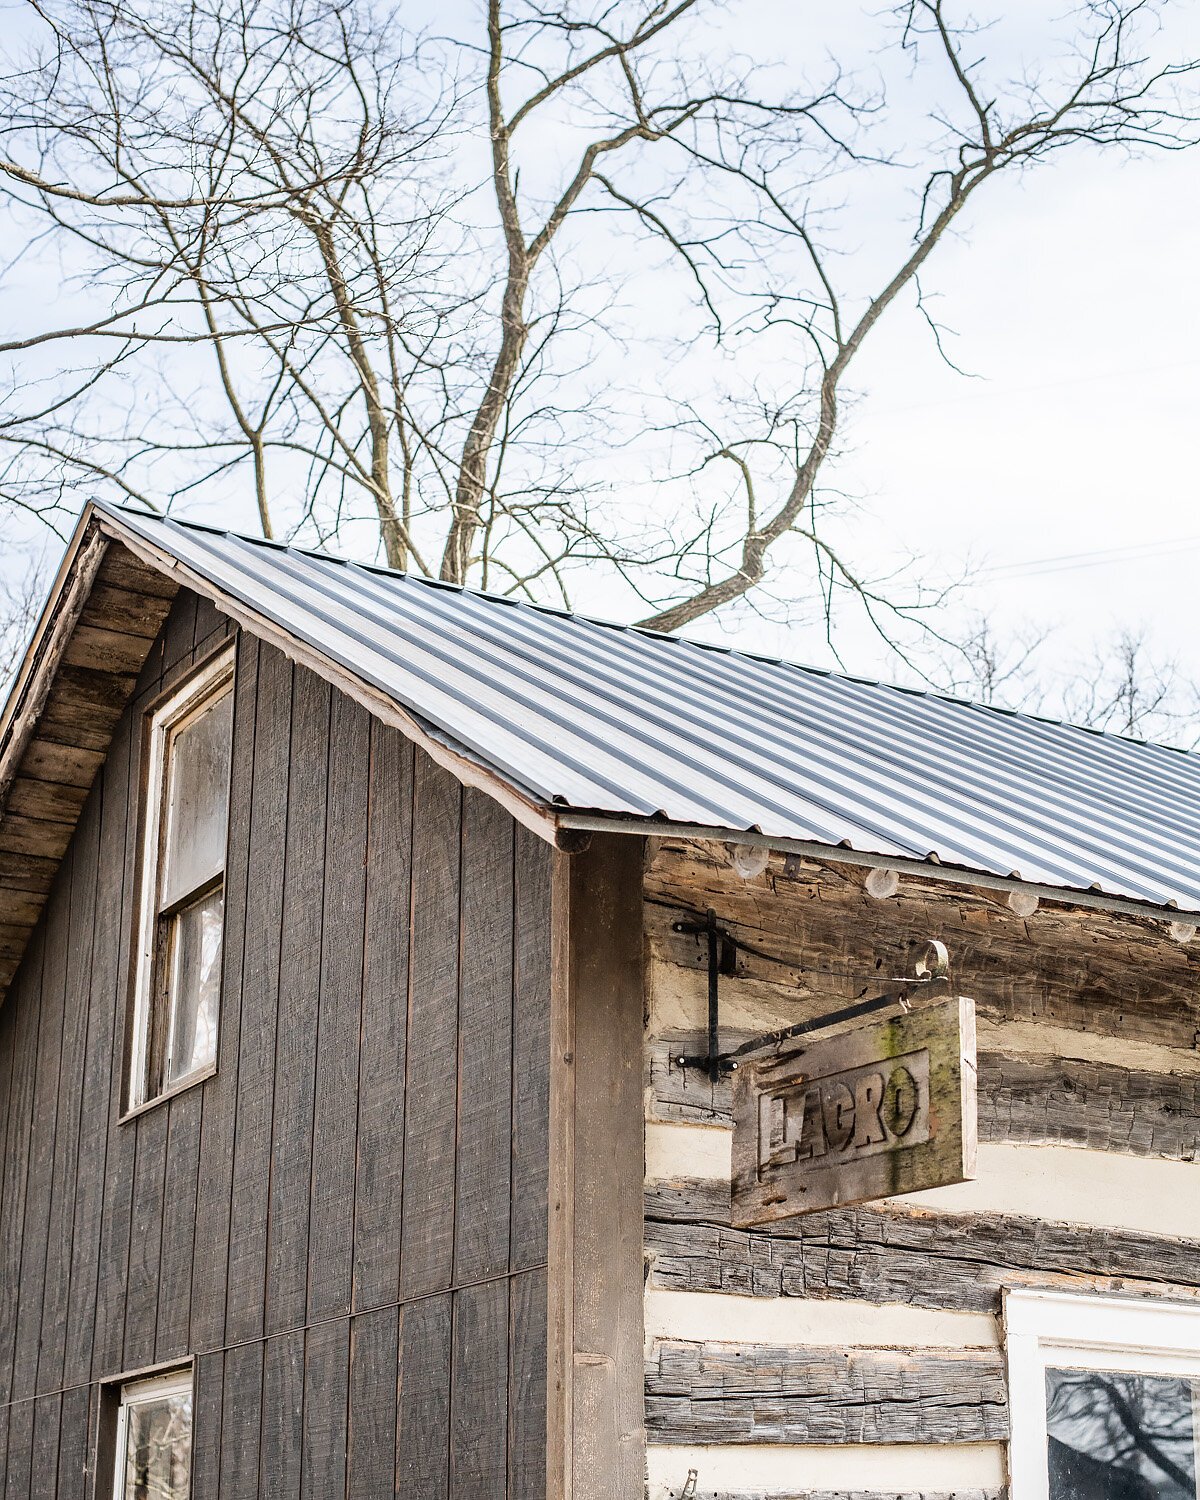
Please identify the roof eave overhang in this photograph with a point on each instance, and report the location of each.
(533, 814)
(74, 681)
(584, 823)
(35, 676)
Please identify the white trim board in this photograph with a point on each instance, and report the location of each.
(785, 1470)
(718, 1317)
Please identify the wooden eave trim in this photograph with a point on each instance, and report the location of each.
(535, 816)
(43, 658)
(58, 720)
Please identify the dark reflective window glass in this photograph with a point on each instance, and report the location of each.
(1120, 1436)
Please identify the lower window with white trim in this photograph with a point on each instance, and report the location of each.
(1105, 1397)
(154, 1438)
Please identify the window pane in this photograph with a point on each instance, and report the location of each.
(158, 1448)
(1120, 1436)
(195, 985)
(197, 796)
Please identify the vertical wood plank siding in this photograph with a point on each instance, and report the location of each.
(345, 1227)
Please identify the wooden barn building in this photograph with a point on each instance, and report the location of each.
(392, 1094)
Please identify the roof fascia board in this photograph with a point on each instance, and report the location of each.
(863, 859)
(538, 818)
(66, 602)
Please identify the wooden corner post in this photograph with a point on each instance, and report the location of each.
(596, 1417)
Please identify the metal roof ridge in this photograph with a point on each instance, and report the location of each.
(673, 637)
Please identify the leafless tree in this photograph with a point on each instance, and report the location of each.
(1133, 1432)
(1110, 96)
(411, 284)
(253, 188)
(1001, 671)
(20, 601)
(1125, 687)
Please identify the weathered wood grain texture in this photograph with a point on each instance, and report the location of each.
(214, 1187)
(884, 1255)
(21, 1035)
(479, 1393)
(259, 990)
(241, 1420)
(1088, 970)
(101, 1043)
(326, 1384)
(335, 1108)
(1029, 1100)
(7, 1025)
(81, 904)
(927, 1056)
(32, 1275)
(532, 977)
(282, 1439)
(483, 1164)
(527, 1386)
(216, 1224)
(757, 1393)
(19, 1469)
(47, 1428)
(430, 1116)
(145, 1238)
(108, 1331)
(295, 1052)
(207, 1396)
(74, 1443)
(597, 1437)
(1060, 1101)
(175, 1263)
(382, 1052)
(374, 1364)
(423, 1405)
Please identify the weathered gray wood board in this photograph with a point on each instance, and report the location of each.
(886, 1107)
(759, 1393)
(878, 1254)
(255, 1222)
(596, 1428)
(1034, 1100)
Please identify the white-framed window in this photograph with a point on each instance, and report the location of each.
(177, 974)
(154, 1438)
(1104, 1394)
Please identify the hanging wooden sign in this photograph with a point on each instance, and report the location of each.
(887, 1108)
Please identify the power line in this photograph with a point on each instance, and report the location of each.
(1069, 562)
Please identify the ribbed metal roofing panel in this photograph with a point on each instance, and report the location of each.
(613, 720)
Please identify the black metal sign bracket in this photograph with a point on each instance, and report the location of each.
(931, 970)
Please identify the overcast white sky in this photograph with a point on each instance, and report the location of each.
(1078, 305)
(1075, 297)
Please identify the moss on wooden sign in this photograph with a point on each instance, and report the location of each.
(887, 1108)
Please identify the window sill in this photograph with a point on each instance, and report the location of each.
(173, 1092)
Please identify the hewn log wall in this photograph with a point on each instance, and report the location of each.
(345, 1227)
(857, 1352)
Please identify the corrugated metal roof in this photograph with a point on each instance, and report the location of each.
(622, 722)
